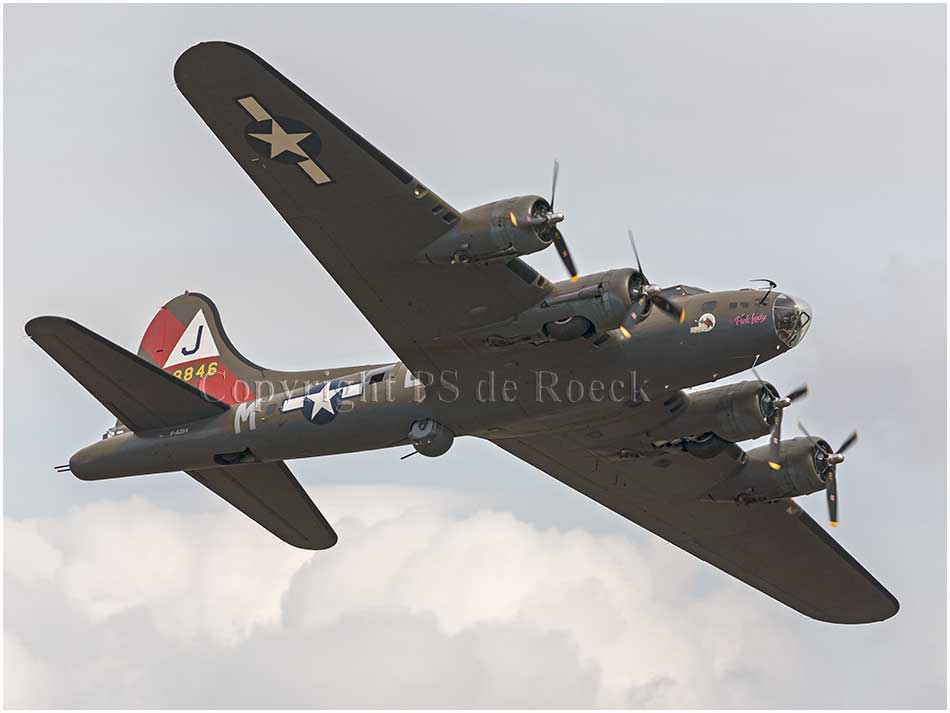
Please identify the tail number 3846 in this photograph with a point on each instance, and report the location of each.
(196, 372)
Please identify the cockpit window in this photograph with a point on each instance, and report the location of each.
(681, 290)
(792, 319)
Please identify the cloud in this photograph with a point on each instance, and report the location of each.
(430, 599)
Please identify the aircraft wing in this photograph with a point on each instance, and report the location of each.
(361, 215)
(789, 557)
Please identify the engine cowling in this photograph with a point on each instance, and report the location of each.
(501, 230)
(594, 304)
(735, 412)
(755, 481)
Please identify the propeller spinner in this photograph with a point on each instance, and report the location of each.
(827, 463)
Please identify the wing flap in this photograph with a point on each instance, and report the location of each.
(138, 393)
(269, 494)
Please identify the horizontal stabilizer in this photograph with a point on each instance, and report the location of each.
(270, 494)
(141, 395)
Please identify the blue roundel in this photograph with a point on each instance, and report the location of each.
(323, 401)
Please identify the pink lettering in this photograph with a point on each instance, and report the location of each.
(754, 318)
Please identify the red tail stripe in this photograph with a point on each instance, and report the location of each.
(162, 335)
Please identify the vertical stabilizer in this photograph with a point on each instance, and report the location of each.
(187, 340)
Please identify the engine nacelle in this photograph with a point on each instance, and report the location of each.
(735, 412)
(594, 304)
(430, 438)
(756, 481)
(495, 231)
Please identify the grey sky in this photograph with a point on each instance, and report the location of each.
(802, 143)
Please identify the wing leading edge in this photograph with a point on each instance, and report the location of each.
(788, 557)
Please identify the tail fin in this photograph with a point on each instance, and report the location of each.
(186, 339)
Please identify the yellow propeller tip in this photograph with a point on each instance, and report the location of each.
(774, 466)
(514, 221)
(575, 278)
(834, 524)
(624, 332)
(682, 317)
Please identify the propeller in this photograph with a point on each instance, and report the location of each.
(548, 219)
(830, 472)
(778, 406)
(648, 293)
(559, 244)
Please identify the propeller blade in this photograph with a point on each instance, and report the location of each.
(804, 430)
(775, 440)
(557, 169)
(669, 307)
(831, 492)
(633, 244)
(565, 254)
(849, 441)
(797, 393)
(628, 324)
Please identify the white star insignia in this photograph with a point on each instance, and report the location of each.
(322, 401)
(281, 141)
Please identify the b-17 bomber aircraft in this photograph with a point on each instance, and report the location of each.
(584, 378)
